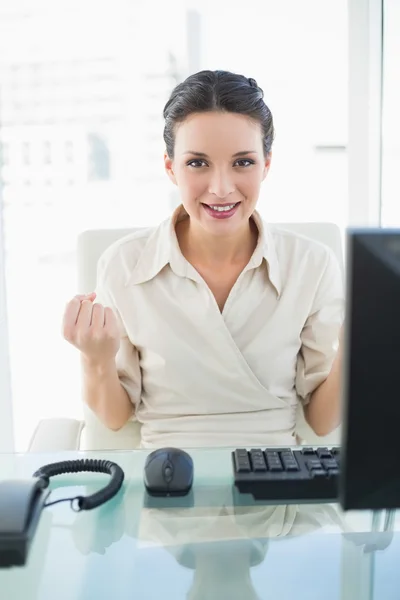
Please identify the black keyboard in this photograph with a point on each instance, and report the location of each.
(287, 475)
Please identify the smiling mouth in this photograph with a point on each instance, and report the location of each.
(221, 207)
(221, 211)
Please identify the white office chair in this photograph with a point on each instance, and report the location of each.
(52, 435)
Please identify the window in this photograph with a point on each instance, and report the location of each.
(98, 158)
(47, 153)
(4, 154)
(26, 153)
(69, 152)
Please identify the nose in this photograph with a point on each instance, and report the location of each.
(221, 184)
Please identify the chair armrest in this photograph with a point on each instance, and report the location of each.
(56, 435)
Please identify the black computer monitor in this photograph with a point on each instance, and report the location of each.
(370, 453)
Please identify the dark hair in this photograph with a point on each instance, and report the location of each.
(217, 91)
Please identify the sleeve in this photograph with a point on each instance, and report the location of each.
(320, 334)
(127, 358)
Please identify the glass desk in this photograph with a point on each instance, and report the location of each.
(221, 547)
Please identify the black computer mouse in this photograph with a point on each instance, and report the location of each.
(168, 472)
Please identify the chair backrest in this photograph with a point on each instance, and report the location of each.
(91, 245)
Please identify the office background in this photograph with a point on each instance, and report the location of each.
(82, 88)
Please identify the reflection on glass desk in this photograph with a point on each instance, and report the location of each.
(211, 548)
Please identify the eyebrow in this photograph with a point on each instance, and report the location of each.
(202, 155)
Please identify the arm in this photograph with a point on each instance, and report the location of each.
(323, 411)
(112, 388)
(318, 379)
(104, 394)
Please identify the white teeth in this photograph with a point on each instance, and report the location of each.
(223, 208)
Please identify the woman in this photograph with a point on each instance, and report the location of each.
(212, 327)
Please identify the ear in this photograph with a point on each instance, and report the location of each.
(168, 164)
(267, 165)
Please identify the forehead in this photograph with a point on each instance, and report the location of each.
(218, 132)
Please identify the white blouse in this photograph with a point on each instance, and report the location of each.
(199, 377)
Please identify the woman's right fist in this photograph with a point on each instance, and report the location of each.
(92, 328)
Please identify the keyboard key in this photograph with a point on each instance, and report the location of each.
(242, 462)
(307, 451)
(273, 461)
(275, 468)
(289, 461)
(324, 453)
(256, 453)
(259, 467)
(258, 461)
(318, 473)
(291, 466)
(314, 464)
(332, 472)
(329, 463)
(241, 452)
(287, 455)
(242, 467)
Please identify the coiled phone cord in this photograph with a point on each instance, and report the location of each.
(79, 503)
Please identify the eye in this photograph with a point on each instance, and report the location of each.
(244, 162)
(197, 163)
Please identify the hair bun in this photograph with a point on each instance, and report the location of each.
(253, 83)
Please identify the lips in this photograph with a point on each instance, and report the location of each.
(221, 211)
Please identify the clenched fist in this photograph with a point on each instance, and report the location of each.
(92, 328)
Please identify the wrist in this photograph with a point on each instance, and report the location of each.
(98, 367)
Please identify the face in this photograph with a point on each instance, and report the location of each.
(219, 165)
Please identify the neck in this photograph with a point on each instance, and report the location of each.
(211, 249)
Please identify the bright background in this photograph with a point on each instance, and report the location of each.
(82, 88)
